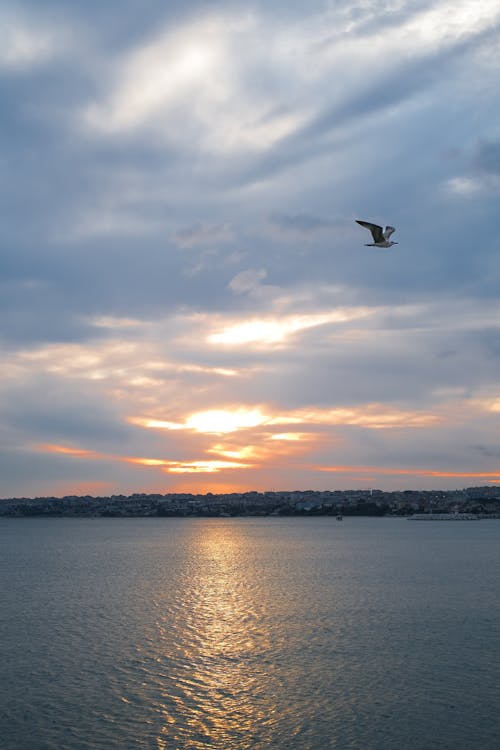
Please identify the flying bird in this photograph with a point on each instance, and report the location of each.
(380, 236)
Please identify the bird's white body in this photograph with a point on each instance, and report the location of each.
(380, 236)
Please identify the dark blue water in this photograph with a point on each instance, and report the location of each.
(169, 634)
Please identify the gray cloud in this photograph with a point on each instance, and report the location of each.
(201, 233)
(487, 157)
(52, 410)
(303, 224)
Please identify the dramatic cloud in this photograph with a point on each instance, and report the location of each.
(186, 300)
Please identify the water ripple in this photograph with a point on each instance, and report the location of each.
(285, 634)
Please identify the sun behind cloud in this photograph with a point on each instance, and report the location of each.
(218, 421)
(215, 421)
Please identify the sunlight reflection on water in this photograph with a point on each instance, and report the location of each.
(220, 697)
(291, 634)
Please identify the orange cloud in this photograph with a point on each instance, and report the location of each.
(171, 467)
(76, 452)
(203, 467)
(383, 470)
(145, 461)
(234, 451)
(371, 416)
(263, 456)
(491, 404)
(186, 467)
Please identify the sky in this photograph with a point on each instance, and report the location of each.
(187, 303)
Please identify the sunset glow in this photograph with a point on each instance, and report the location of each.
(203, 467)
(214, 421)
(263, 459)
(147, 461)
(207, 364)
(192, 303)
(66, 450)
(411, 472)
(289, 436)
(218, 420)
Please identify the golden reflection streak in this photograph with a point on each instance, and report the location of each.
(219, 698)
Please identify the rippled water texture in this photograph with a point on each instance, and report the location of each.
(169, 634)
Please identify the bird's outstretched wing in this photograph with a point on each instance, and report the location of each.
(388, 232)
(377, 233)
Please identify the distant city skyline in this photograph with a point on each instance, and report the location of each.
(187, 302)
(473, 503)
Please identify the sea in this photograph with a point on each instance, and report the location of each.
(249, 633)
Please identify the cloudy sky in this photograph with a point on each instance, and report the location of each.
(186, 301)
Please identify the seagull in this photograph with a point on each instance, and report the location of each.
(380, 236)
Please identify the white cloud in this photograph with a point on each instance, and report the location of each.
(278, 330)
(248, 282)
(471, 185)
(193, 85)
(26, 42)
(463, 186)
(240, 83)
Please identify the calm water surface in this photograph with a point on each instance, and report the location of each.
(374, 634)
